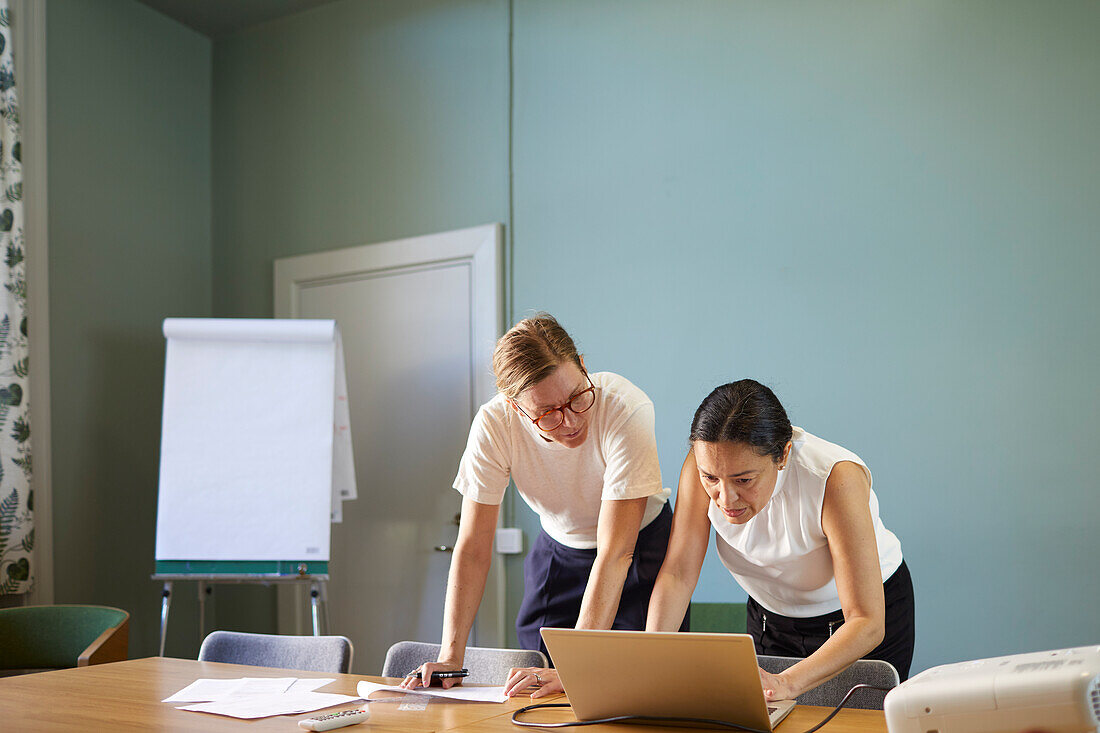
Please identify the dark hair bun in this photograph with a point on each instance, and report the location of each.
(743, 412)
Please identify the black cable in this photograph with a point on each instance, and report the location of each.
(662, 719)
(843, 700)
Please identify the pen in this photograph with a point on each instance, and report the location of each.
(443, 675)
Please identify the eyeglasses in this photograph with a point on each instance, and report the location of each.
(555, 416)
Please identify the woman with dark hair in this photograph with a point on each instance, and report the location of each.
(798, 527)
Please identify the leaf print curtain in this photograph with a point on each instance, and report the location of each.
(16, 500)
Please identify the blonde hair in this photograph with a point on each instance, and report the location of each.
(529, 352)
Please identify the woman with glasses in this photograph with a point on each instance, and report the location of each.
(581, 450)
(798, 527)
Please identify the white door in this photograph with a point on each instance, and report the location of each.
(419, 318)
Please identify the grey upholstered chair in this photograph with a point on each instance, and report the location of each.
(309, 653)
(830, 693)
(486, 665)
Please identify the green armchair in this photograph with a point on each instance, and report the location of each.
(54, 637)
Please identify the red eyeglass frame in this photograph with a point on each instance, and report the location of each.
(561, 408)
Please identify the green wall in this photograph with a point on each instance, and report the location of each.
(352, 123)
(128, 133)
(887, 212)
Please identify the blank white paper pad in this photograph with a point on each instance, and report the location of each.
(247, 446)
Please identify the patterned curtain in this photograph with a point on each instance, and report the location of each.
(16, 500)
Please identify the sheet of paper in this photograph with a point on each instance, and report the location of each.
(205, 690)
(263, 706)
(264, 685)
(343, 459)
(209, 690)
(461, 692)
(309, 685)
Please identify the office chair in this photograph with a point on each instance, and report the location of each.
(829, 693)
(308, 653)
(486, 665)
(55, 637)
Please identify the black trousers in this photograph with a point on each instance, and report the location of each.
(555, 576)
(800, 637)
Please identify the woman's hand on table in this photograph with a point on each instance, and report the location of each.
(426, 670)
(776, 687)
(543, 678)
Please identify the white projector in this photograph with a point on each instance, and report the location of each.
(1051, 692)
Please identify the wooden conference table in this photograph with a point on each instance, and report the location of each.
(127, 696)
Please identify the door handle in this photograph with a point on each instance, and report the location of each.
(447, 548)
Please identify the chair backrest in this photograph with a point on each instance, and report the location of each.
(54, 637)
(308, 653)
(486, 665)
(831, 692)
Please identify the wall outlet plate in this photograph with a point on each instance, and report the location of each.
(509, 540)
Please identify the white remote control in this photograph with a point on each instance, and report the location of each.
(334, 720)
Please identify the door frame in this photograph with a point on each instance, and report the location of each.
(481, 247)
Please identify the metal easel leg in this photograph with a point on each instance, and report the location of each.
(204, 590)
(324, 600)
(314, 600)
(166, 601)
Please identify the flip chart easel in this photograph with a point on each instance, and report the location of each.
(256, 455)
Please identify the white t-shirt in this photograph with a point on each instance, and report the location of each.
(781, 556)
(566, 485)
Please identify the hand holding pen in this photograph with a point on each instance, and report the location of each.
(438, 673)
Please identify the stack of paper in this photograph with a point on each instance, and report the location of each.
(258, 697)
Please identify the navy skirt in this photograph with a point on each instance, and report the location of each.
(800, 637)
(555, 576)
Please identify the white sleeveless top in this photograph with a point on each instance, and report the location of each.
(781, 556)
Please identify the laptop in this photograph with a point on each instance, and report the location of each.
(662, 673)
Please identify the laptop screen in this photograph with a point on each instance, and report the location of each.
(666, 674)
